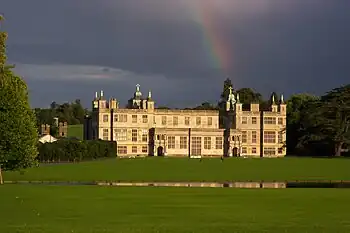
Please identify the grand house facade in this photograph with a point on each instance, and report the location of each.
(141, 129)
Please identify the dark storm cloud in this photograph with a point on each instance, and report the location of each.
(287, 46)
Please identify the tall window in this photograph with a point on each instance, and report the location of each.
(120, 134)
(144, 149)
(183, 142)
(269, 151)
(144, 119)
(280, 137)
(280, 121)
(105, 117)
(269, 137)
(244, 120)
(171, 142)
(244, 137)
(105, 134)
(134, 149)
(254, 137)
(115, 117)
(207, 143)
(122, 118)
(187, 120)
(280, 150)
(254, 120)
(218, 143)
(253, 150)
(198, 120)
(269, 120)
(196, 146)
(144, 135)
(210, 121)
(163, 120)
(134, 135)
(244, 150)
(122, 150)
(134, 118)
(175, 120)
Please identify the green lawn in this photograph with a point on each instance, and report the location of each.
(75, 131)
(184, 169)
(84, 209)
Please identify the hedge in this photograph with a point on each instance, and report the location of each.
(68, 150)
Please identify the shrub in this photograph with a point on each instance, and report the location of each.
(68, 150)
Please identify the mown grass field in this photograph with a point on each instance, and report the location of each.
(85, 209)
(75, 131)
(185, 169)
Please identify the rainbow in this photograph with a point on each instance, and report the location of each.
(216, 46)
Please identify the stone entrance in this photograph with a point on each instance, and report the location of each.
(160, 151)
(235, 152)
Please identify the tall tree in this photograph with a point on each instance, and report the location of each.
(223, 98)
(297, 108)
(248, 96)
(328, 120)
(18, 134)
(226, 90)
(206, 106)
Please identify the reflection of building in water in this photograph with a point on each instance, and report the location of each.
(140, 129)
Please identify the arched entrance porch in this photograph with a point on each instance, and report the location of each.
(235, 152)
(160, 151)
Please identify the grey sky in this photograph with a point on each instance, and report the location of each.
(70, 49)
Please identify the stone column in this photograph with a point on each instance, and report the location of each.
(230, 150)
(165, 150)
(155, 150)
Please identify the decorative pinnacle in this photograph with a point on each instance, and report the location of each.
(230, 88)
(273, 99)
(282, 99)
(149, 95)
(101, 94)
(96, 95)
(137, 87)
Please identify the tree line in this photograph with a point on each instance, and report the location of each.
(73, 113)
(68, 150)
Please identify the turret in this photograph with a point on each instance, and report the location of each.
(102, 103)
(274, 106)
(95, 101)
(238, 105)
(113, 103)
(150, 102)
(136, 101)
(231, 101)
(283, 106)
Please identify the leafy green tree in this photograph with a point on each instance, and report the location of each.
(206, 106)
(248, 96)
(297, 108)
(226, 90)
(223, 99)
(163, 107)
(18, 134)
(330, 119)
(73, 113)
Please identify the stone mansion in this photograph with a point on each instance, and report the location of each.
(141, 129)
